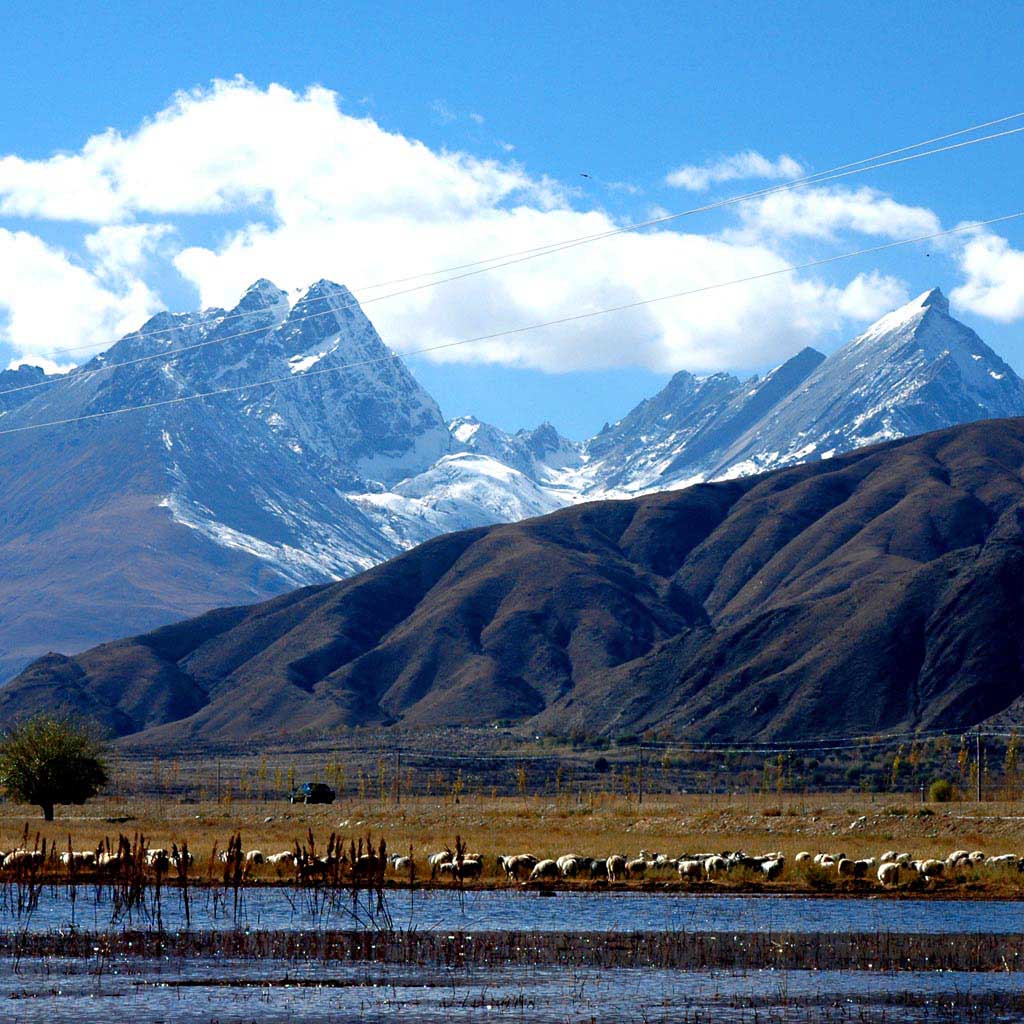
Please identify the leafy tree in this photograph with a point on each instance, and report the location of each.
(47, 761)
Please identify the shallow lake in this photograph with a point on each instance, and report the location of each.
(516, 910)
(203, 990)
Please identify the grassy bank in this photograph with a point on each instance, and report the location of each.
(596, 825)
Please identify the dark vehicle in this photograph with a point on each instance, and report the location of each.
(312, 793)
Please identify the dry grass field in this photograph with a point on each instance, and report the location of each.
(596, 825)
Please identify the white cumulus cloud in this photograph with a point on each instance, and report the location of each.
(824, 213)
(298, 189)
(739, 166)
(994, 285)
(52, 304)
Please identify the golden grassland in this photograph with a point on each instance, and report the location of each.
(596, 825)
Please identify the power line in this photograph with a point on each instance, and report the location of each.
(522, 256)
(768, 190)
(517, 330)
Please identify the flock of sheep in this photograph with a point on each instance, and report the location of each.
(709, 866)
(888, 868)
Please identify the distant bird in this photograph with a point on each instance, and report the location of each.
(583, 174)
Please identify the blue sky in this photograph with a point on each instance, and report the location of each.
(625, 94)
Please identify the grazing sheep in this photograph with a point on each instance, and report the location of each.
(902, 858)
(690, 870)
(862, 867)
(845, 867)
(282, 858)
(435, 860)
(976, 857)
(636, 868)
(571, 864)
(78, 858)
(956, 856)
(399, 864)
(1003, 860)
(616, 865)
(254, 857)
(931, 868)
(158, 860)
(771, 869)
(802, 857)
(22, 859)
(598, 868)
(889, 855)
(889, 873)
(471, 867)
(715, 866)
(517, 868)
(544, 869)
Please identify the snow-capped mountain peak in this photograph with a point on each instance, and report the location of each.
(349, 460)
(915, 369)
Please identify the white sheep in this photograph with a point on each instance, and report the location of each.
(544, 869)
(1002, 860)
(435, 860)
(889, 873)
(715, 866)
(22, 858)
(158, 860)
(636, 868)
(931, 868)
(690, 870)
(616, 865)
(571, 864)
(517, 867)
(773, 868)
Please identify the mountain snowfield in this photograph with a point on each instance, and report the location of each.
(114, 525)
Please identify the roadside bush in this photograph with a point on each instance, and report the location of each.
(941, 792)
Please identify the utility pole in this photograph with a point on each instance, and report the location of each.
(977, 754)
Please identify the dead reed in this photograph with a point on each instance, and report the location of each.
(869, 951)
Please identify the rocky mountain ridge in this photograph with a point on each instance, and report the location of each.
(118, 524)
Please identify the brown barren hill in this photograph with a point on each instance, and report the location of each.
(876, 590)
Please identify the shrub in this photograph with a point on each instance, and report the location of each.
(601, 765)
(941, 791)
